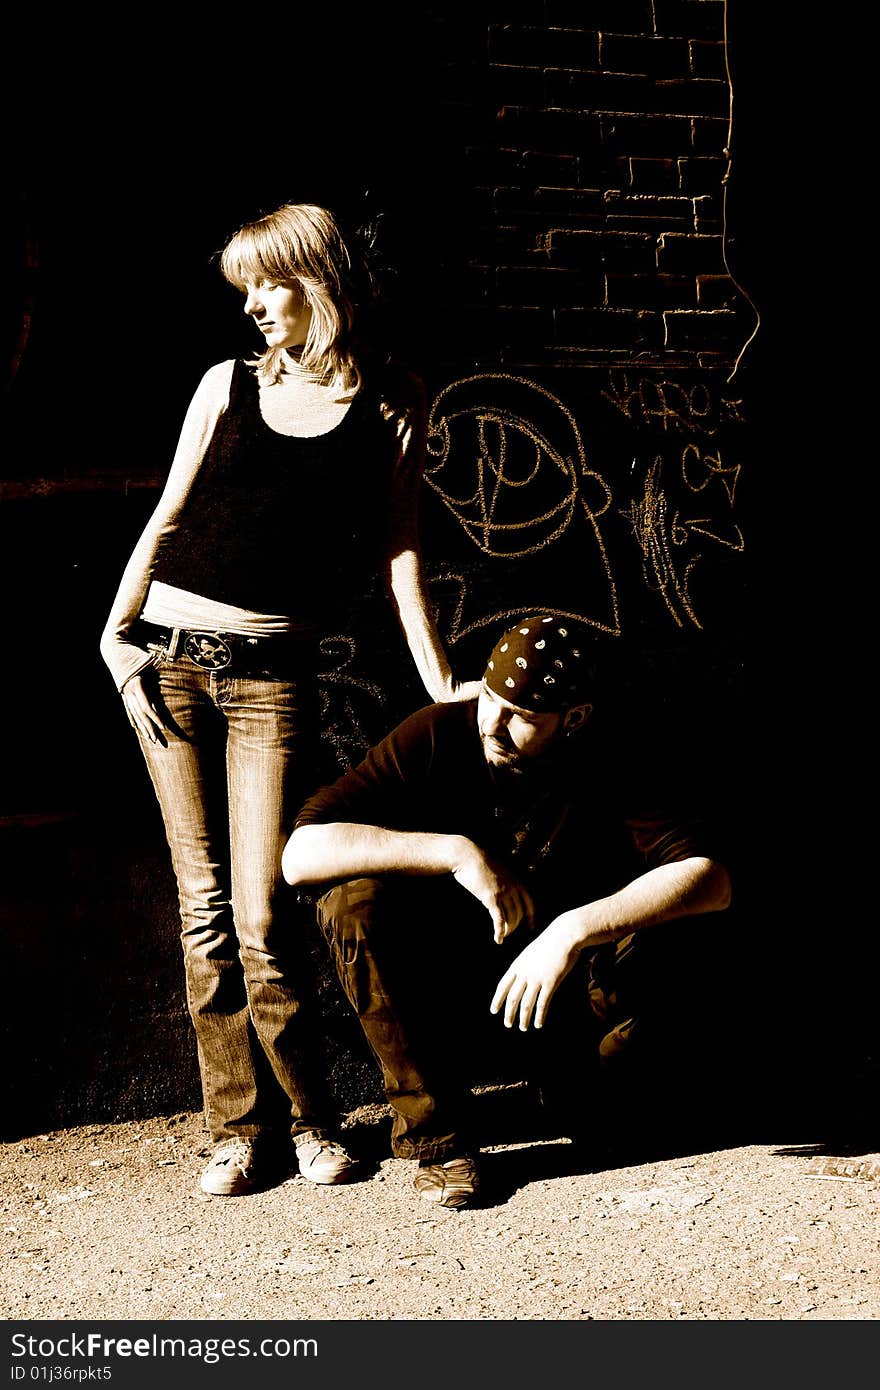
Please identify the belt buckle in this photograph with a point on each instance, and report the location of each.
(207, 650)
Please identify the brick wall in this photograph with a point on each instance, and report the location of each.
(594, 138)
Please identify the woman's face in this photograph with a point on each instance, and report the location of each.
(279, 311)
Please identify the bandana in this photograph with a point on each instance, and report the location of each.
(542, 664)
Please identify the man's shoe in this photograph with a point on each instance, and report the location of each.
(455, 1183)
(324, 1160)
(239, 1166)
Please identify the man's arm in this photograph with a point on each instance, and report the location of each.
(682, 889)
(339, 850)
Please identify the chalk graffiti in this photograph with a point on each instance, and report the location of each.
(661, 531)
(350, 704)
(672, 406)
(456, 627)
(710, 466)
(506, 458)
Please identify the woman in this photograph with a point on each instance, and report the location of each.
(295, 477)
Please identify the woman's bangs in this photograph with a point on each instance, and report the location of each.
(254, 255)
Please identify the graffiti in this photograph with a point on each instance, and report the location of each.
(350, 704)
(671, 406)
(666, 538)
(455, 627)
(506, 459)
(520, 518)
(698, 470)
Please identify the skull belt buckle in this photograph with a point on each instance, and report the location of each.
(207, 650)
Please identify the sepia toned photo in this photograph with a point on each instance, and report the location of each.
(414, 508)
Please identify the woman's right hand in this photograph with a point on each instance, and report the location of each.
(143, 716)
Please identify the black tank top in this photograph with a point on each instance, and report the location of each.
(280, 524)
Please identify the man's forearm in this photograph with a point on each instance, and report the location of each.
(684, 889)
(318, 853)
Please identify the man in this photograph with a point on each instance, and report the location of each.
(523, 804)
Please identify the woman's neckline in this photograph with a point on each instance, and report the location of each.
(301, 379)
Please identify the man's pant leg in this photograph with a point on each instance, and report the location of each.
(380, 936)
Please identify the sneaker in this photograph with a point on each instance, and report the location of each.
(454, 1183)
(323, 1160)
(239, 1166)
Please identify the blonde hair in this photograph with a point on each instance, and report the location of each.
(301, 244)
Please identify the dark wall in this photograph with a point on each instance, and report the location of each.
(575, 244)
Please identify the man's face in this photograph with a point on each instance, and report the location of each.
(511, 736)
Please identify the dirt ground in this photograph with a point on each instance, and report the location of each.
(107, 1221)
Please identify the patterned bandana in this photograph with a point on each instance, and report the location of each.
(542, 664)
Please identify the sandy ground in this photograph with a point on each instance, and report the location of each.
(107, 1221)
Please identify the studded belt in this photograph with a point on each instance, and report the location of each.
(227, 651)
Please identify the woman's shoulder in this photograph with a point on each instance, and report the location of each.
(224, 382)
(216, 381)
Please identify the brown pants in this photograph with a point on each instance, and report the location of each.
(416, 960)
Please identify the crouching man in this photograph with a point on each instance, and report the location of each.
(524, 810)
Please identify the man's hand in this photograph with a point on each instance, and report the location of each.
(535, 975)
(506, 900)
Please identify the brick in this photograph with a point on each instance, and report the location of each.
(499, 245)
(558, 170)
(649, 205)
(560, 132)
(707, 60)
(626, 253)
(697, 254)
(544, 48)
(607, 92)
(523, 326)
(639, 136)
(575, 248)
(654, 175)
(608, 328)
(694, 19)
(690, 96)
(702, 174)
(656, 227)
(652, 57)
(651, 291)
(622, 16)
(618, 172)
(513, 86)
(579, 203)
(583, 202)
(598, 91)
(715, 291)
(714, 330)
(614, 251)
(490, 165)
(550, 286)
(532, 356)
(708, 135)
(709, 213)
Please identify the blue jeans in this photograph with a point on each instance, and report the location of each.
(230, 778)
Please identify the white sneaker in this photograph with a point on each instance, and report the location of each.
(239, 1166)
(324, 1160)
